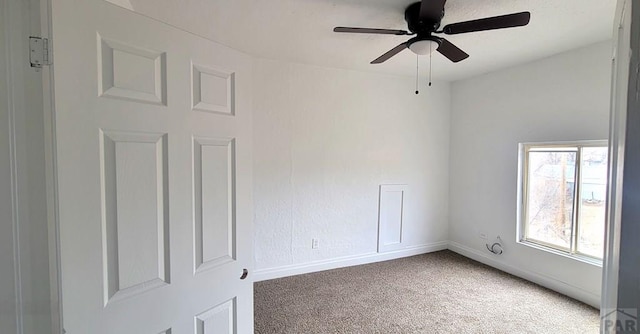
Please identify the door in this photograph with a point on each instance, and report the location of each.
(153, 129)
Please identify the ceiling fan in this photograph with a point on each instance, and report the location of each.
(424, 18)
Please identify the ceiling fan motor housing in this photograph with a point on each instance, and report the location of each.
(418, 25)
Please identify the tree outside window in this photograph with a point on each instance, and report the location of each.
(564, 191)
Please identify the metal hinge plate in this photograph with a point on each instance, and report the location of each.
(39, 52)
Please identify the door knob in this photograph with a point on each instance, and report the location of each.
(245, 273)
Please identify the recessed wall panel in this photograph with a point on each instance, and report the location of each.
(218, 320)
(390, 216)
(135, 212)
(213, 90)
(214, 187)
(131, 73)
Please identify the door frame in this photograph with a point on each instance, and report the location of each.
(621, 275)
(617, 127)
(31, 133)
(9, 278)
(57, 323)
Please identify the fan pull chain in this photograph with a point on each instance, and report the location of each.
(430, 56)
(417, 74)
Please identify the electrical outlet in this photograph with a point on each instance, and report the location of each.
(315, 243)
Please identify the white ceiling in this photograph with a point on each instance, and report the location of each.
(301, 30)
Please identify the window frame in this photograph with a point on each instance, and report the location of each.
(523, 181)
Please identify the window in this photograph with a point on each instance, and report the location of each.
(564, 188)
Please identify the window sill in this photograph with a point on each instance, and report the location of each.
(576, 257)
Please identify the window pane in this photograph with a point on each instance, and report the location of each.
(593, 191)
(550, 195)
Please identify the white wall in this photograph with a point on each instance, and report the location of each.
(564, 97)
(324, 140)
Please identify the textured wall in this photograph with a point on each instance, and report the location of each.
(564, 97)
(324, 139)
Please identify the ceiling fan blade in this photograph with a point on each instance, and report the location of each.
(451, 51)
(489, 23)
(371, 31)
(390, 54)
(432, 9)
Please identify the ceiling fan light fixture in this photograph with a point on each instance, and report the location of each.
(423, 47)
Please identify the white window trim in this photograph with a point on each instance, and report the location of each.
(521, 207)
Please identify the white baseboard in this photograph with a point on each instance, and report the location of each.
(347, 261)
(543, 280)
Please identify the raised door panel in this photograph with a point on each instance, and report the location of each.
(135, 212)
(213, 90)
(131, 73)
(214, 202)
(218, 320)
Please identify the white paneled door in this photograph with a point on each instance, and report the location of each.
(153, 129)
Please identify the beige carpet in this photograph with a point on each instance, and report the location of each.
(439, 292)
